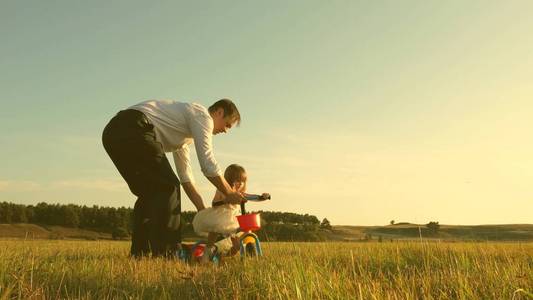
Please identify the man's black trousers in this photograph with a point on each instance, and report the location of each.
(131, 142)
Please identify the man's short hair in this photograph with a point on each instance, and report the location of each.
(229, 110)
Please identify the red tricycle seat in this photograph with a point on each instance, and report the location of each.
(249, 222)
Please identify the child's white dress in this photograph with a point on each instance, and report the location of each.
(220, 219)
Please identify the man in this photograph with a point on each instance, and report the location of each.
(136, 140)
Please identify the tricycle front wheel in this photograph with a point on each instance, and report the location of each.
(250, 245)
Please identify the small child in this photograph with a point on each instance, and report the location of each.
(221, 218)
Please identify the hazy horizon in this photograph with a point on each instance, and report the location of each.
(360, 112)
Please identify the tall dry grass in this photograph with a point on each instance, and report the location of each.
(406, 270)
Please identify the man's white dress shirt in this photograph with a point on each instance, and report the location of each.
(178, 124)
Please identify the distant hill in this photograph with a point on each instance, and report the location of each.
(57, 221)
(33, 231)
(405, 231)
(408, 231)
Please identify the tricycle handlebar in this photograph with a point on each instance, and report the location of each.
(250, 197)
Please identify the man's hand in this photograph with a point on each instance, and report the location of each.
(222, 185)
(234, 198)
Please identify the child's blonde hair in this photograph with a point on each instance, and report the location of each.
(234, 173)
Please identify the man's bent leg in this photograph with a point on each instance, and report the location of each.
(173, 234)
(174, 222)
(142, 163)
(139, 237)
(164, 224)
(123, 140)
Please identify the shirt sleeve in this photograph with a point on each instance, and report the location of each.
(202, 133)
(182, 161)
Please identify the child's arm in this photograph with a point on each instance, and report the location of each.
(254, 197)
(218, 197)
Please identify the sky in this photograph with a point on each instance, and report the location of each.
(361, 112)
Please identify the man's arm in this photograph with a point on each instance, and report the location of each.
(222, 185)
(193, 194)
(202, 133)
(183, 168)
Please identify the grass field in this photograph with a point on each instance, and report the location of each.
(400, 270)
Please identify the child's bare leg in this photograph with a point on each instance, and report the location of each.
(211, 238)
(236, 242)
(209, 248)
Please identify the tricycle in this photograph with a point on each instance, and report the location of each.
(249, 243)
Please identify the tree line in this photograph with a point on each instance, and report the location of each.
(276, 226)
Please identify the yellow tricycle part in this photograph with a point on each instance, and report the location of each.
(248, 240)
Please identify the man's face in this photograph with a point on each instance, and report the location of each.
(221, 124)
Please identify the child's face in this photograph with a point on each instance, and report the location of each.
(240, 185)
